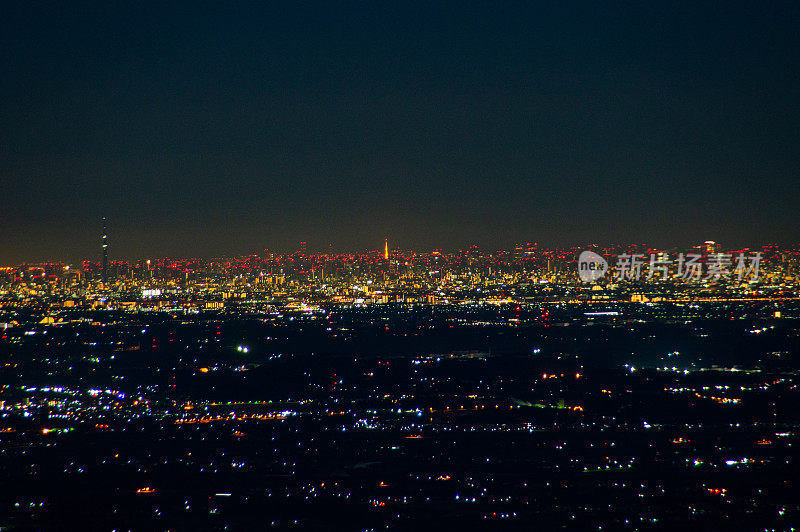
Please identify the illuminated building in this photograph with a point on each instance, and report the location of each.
(709, 247)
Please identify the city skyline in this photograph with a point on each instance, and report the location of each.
(302, 247)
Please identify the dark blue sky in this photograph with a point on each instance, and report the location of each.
(220, 128)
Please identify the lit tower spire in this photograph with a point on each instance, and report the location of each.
(104, 241)
(386, 249)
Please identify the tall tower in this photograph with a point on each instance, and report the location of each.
(386, 249)
(104, 241)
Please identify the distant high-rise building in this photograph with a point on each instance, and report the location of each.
(303, 248)
(104, 241)
(386, 249)
(709, 247)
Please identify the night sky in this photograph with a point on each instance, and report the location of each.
(208, 130)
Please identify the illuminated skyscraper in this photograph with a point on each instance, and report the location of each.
(104, 242)
(386, 249)
(709, 247)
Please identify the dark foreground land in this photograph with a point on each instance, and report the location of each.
(404, 417)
